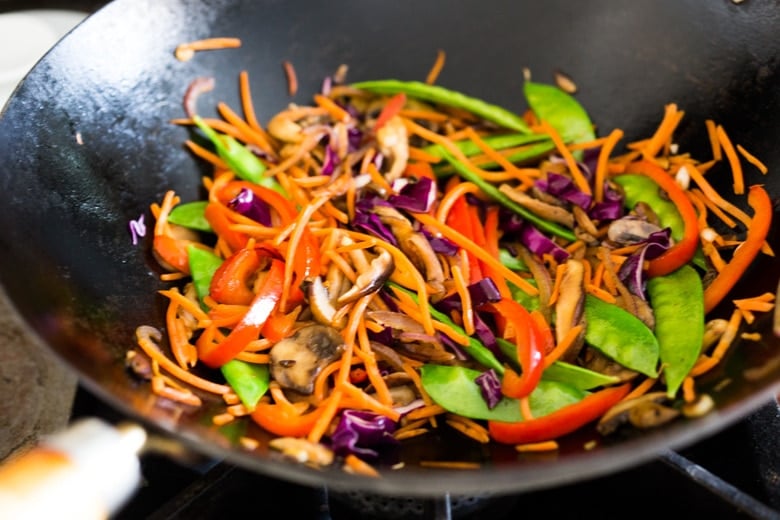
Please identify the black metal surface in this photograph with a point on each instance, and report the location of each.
(86, 145)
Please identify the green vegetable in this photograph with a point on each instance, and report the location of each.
(191, 215)
(493, 192)
(678, 304)
(453, 388)
(245, 164)
(443, 96)
(203, 264)
(531, 303)
(620, 336)
(496, 142)
(560, 110)
(578, 377)
(248, 380)
(475, 348)
(511, 261)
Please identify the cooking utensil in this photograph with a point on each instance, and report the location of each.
(86, 145)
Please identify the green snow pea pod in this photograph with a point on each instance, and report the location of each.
(453, 388)
(444, 96)
(191, 215)
(678, 304)
(560, 110)
(494, 193)
(203, 264)
(511, 261)
(523, 155)
(239, 158)
(475, 349)
(248, 380)
(573, 375)
(496, 142)
(620, 336)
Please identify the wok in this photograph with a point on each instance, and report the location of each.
(86, 145)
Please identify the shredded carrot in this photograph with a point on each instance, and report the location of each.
(641, 389)
(465, 300)
(535, 447)
(600, 293)
(185, 51)
(696, 194)
(468, 428)
(525, 409)
(353, 464)
(335, 111)
(292, 77)
(418, 154)
(378, 178)
(663, 134)
(601, 164)
(494, 155)
(248, 134)
(731, 155)
(566, 342)
(437, 67)
(444, 464)
(714, 196)
(451, 196)
(712, 133)
(752, 159)
(560, 270)
(206, 155)
(579, 179)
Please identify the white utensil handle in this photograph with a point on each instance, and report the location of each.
(87, 471)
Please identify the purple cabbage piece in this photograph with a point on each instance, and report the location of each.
(415, 196)
(539, 244)
(250, 206)
(631, 273)
(456, 349)
(563, 187)
(485, 335)
(355, 138)
(481, 292)
(369, 222)
(330, 162)
(441, 245)
(606, 210)
(385, 337)
(364, 434)
(490, 386)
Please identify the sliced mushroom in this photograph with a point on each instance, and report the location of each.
(416, 247)
(388, 355)
(570, 305)
(379, 270)
(393, 142)
(643, 412)
(321, 306)
(396, 321)
(630, 230)
(536, 206)
(296, 361)
(713, 330)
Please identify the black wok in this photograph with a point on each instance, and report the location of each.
(86, 145)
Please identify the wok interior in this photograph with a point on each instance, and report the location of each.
(87, 145)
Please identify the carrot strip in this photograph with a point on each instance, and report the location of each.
(206, 155)
(185, 51)
(458, 190)
(640, 390)
(465, 300)
(249, 134)
(292, 77)
(712, 133)
(477, 251)
(498, 158)
(568, 339)
(335, 111)
(752, 159)
(577, 176)
(556, 290)
(535, 447)
(664, 132)
(438, 65)
(418, 154)
(601, 164)
(731, 155)
(353, 464)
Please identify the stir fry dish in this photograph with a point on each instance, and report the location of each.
(397, 257)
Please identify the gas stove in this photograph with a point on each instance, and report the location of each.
(733, 474)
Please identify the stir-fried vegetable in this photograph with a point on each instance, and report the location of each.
(352, 291)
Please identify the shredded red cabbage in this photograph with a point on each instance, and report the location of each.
(563, 187)
(631, 273)
(490, 386)
(540, 245)
(441, 245)
(416, 196)
(369, 222)
(606, 210)
(250, 206)
(330, 162)
(364, 434)
(481, 293)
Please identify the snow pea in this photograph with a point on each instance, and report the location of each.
(511, 261)
(523, 155)
(203, 264)
(453, 388)
(496, 142)
(620, 336)
(444, 96)
(494, 193)
(573, 375)
(560, 110)
(191, 215)
(248, 380)
(245, 164)
(475, 348)
(678, 304)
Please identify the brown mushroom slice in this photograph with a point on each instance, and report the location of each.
(388, 355)
(393, 142)
(536, 206)
(570, 305)
(321, 306)
(630, 230)
(370, 281)
(643, 412)
(296, 361)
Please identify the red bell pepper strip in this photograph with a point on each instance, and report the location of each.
(530, 353)
(283, 420)
(279, 325)
(681, 252)
(232, 279)
(459, 218)
(390, 110)
(560, 422)
(248, 329)
(216, 215)
(759, 200)
(173, 252)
